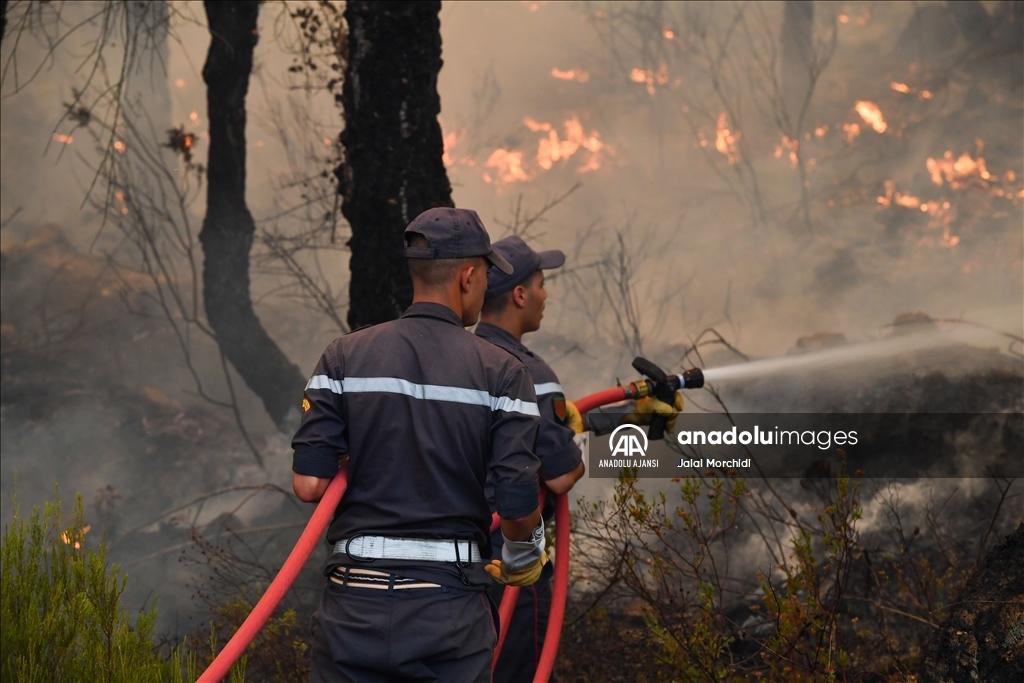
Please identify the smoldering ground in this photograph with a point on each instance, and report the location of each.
(691, 214)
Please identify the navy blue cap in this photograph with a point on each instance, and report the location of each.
(452, 233)
(524, 260)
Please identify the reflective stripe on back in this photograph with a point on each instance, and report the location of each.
(425, 392)
(324, 382)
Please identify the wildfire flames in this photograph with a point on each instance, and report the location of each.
(852, 130)
(649, 77)
(792, 146)
(906, 90)
(958, 173)
(571, 75)
(451, 140)
(725, 139)
(506, 166)
(872, 115)
(551, 149)
(67, 538)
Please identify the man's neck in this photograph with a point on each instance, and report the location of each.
(450, 298)
(509, 323)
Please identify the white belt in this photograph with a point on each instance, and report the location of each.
(424, 550)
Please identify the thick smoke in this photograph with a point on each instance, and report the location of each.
(690, 213)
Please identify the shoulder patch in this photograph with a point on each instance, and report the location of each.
(560, 411)
(305, 405)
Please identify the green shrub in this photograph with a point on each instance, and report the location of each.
(61, 610)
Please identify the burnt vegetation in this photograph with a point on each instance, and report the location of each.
(867, 176)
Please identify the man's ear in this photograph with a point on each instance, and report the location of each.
(519, 296)
(465, 276)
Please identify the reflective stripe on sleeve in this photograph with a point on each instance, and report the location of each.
(323, 382)
(548, 388)
(436, 392)
(514, 405)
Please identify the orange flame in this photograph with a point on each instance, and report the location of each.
(536, 126)
(551, 148)
(907, 201)
(508, 166)
(792, 146)
(68, 538)
(852, 130)
(956, 170)
(451, 140)
(570, 75)
(725, 139)
(63, 139)
(872, 115)
(939, 213)
(900, 87)
(511, 166)
(649, 77)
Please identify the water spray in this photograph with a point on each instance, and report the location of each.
(851, 353)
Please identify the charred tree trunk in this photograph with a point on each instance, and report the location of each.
(392, 169)
(3, 19)
(797, 54)
(228, 228)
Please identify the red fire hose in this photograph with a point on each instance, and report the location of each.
(561, 588)
(312, 534)
(317, 526)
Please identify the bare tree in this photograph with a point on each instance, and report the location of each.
(729, 59)
(228, 229)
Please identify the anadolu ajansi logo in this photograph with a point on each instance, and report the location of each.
(625, 443)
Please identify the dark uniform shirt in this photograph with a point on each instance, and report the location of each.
(556, 448)
(426, 413)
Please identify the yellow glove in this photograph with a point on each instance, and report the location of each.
(646, 408)
(527, 576)
(573, 417)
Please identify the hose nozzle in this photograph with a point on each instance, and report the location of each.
(691, 379)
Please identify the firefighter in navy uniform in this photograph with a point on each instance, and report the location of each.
(426, 414)
(514, 306)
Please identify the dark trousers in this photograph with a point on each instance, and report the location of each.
(525, 640)
(362, 635)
